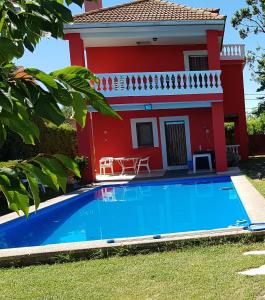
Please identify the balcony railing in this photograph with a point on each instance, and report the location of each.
(159, 83)
(231, 52)
(233, 149)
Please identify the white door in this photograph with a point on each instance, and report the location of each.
(175, 141)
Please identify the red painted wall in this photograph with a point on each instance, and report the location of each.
(113, 137)
(138, 58)
(234, 100)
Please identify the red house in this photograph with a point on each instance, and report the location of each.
(164, 68)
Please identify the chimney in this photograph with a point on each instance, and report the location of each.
(92, 5)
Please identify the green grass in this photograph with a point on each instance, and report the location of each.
(194, 273)
(251, 168)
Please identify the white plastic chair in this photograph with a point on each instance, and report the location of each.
(106, 163)
(143, 162)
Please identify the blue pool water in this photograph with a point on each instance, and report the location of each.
(130, 210)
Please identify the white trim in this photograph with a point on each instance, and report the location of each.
(189, 53)
(160, 105)
(134, 132)
(73, 26)
(162, 121)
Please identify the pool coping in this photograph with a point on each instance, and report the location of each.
(252, 200)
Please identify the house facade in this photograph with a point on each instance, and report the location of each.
(163, 67)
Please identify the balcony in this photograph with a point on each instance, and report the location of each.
(159, 83)
(233, 52)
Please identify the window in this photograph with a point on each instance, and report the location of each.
(196, 60)
(144, 132)
(198, 63)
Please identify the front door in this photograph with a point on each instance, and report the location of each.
(175, 140)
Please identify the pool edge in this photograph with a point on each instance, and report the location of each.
(28, 255)
(252, 200)
(91, 249)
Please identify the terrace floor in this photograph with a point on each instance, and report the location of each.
(161, 174)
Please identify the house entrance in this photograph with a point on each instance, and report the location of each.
(175, 141)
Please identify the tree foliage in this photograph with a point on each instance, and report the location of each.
(27, 95)
(251, 20)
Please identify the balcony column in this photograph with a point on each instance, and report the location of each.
(213, 49)
(219, 136)
(241, 136)
(85, 142)
(217, 107)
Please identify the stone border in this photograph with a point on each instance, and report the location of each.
(37, 254)
(252, 200)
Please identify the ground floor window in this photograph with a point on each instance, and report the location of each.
(145, 136)
(144, 132)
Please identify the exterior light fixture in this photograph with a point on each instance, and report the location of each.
(143, 43)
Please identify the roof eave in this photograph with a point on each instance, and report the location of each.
(79, 26)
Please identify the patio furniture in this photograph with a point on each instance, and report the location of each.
(127, 163)
(105, 163)
(144, 162)
(195, 156)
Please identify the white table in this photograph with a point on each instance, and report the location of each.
(123, 162)
(195, 156)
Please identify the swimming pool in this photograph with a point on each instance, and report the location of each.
(131, 210)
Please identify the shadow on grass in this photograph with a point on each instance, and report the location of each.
(254, 167)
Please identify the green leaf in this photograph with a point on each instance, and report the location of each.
(46, 79)
(2, 135)
(47, 108)
(16, 200)
(5, 102)
(68, 163)
(102, 106)
(19, 122)
(80, 109)
(46, 178)
(53, 166)
(74, 70)
(10, 49)
(34, 187)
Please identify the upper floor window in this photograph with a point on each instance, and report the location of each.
(196, 60)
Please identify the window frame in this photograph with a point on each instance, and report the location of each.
(187, 54)
(134, 122)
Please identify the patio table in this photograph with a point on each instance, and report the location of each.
(127, 163)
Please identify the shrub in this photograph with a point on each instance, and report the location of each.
(256, 125)
(53, 140)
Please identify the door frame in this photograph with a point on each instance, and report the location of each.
(162, 121)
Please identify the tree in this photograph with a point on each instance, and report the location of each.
(251, 20)
(27, 95)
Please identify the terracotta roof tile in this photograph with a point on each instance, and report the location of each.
(148, 10)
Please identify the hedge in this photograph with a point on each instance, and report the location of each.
(53, 140)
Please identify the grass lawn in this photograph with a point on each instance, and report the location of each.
(194, 273)
(251, 168)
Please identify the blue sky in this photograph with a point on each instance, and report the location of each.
(51, 54)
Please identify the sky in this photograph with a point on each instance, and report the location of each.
(52, 54)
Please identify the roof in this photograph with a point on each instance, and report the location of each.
(148, 10)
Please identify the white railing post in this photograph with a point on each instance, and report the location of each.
(159, 83)
(233, 149)
(233, 51)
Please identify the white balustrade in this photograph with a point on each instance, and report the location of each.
(230, 52)
(159, 83)
(233, 149)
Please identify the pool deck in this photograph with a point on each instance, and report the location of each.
(252, 200)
